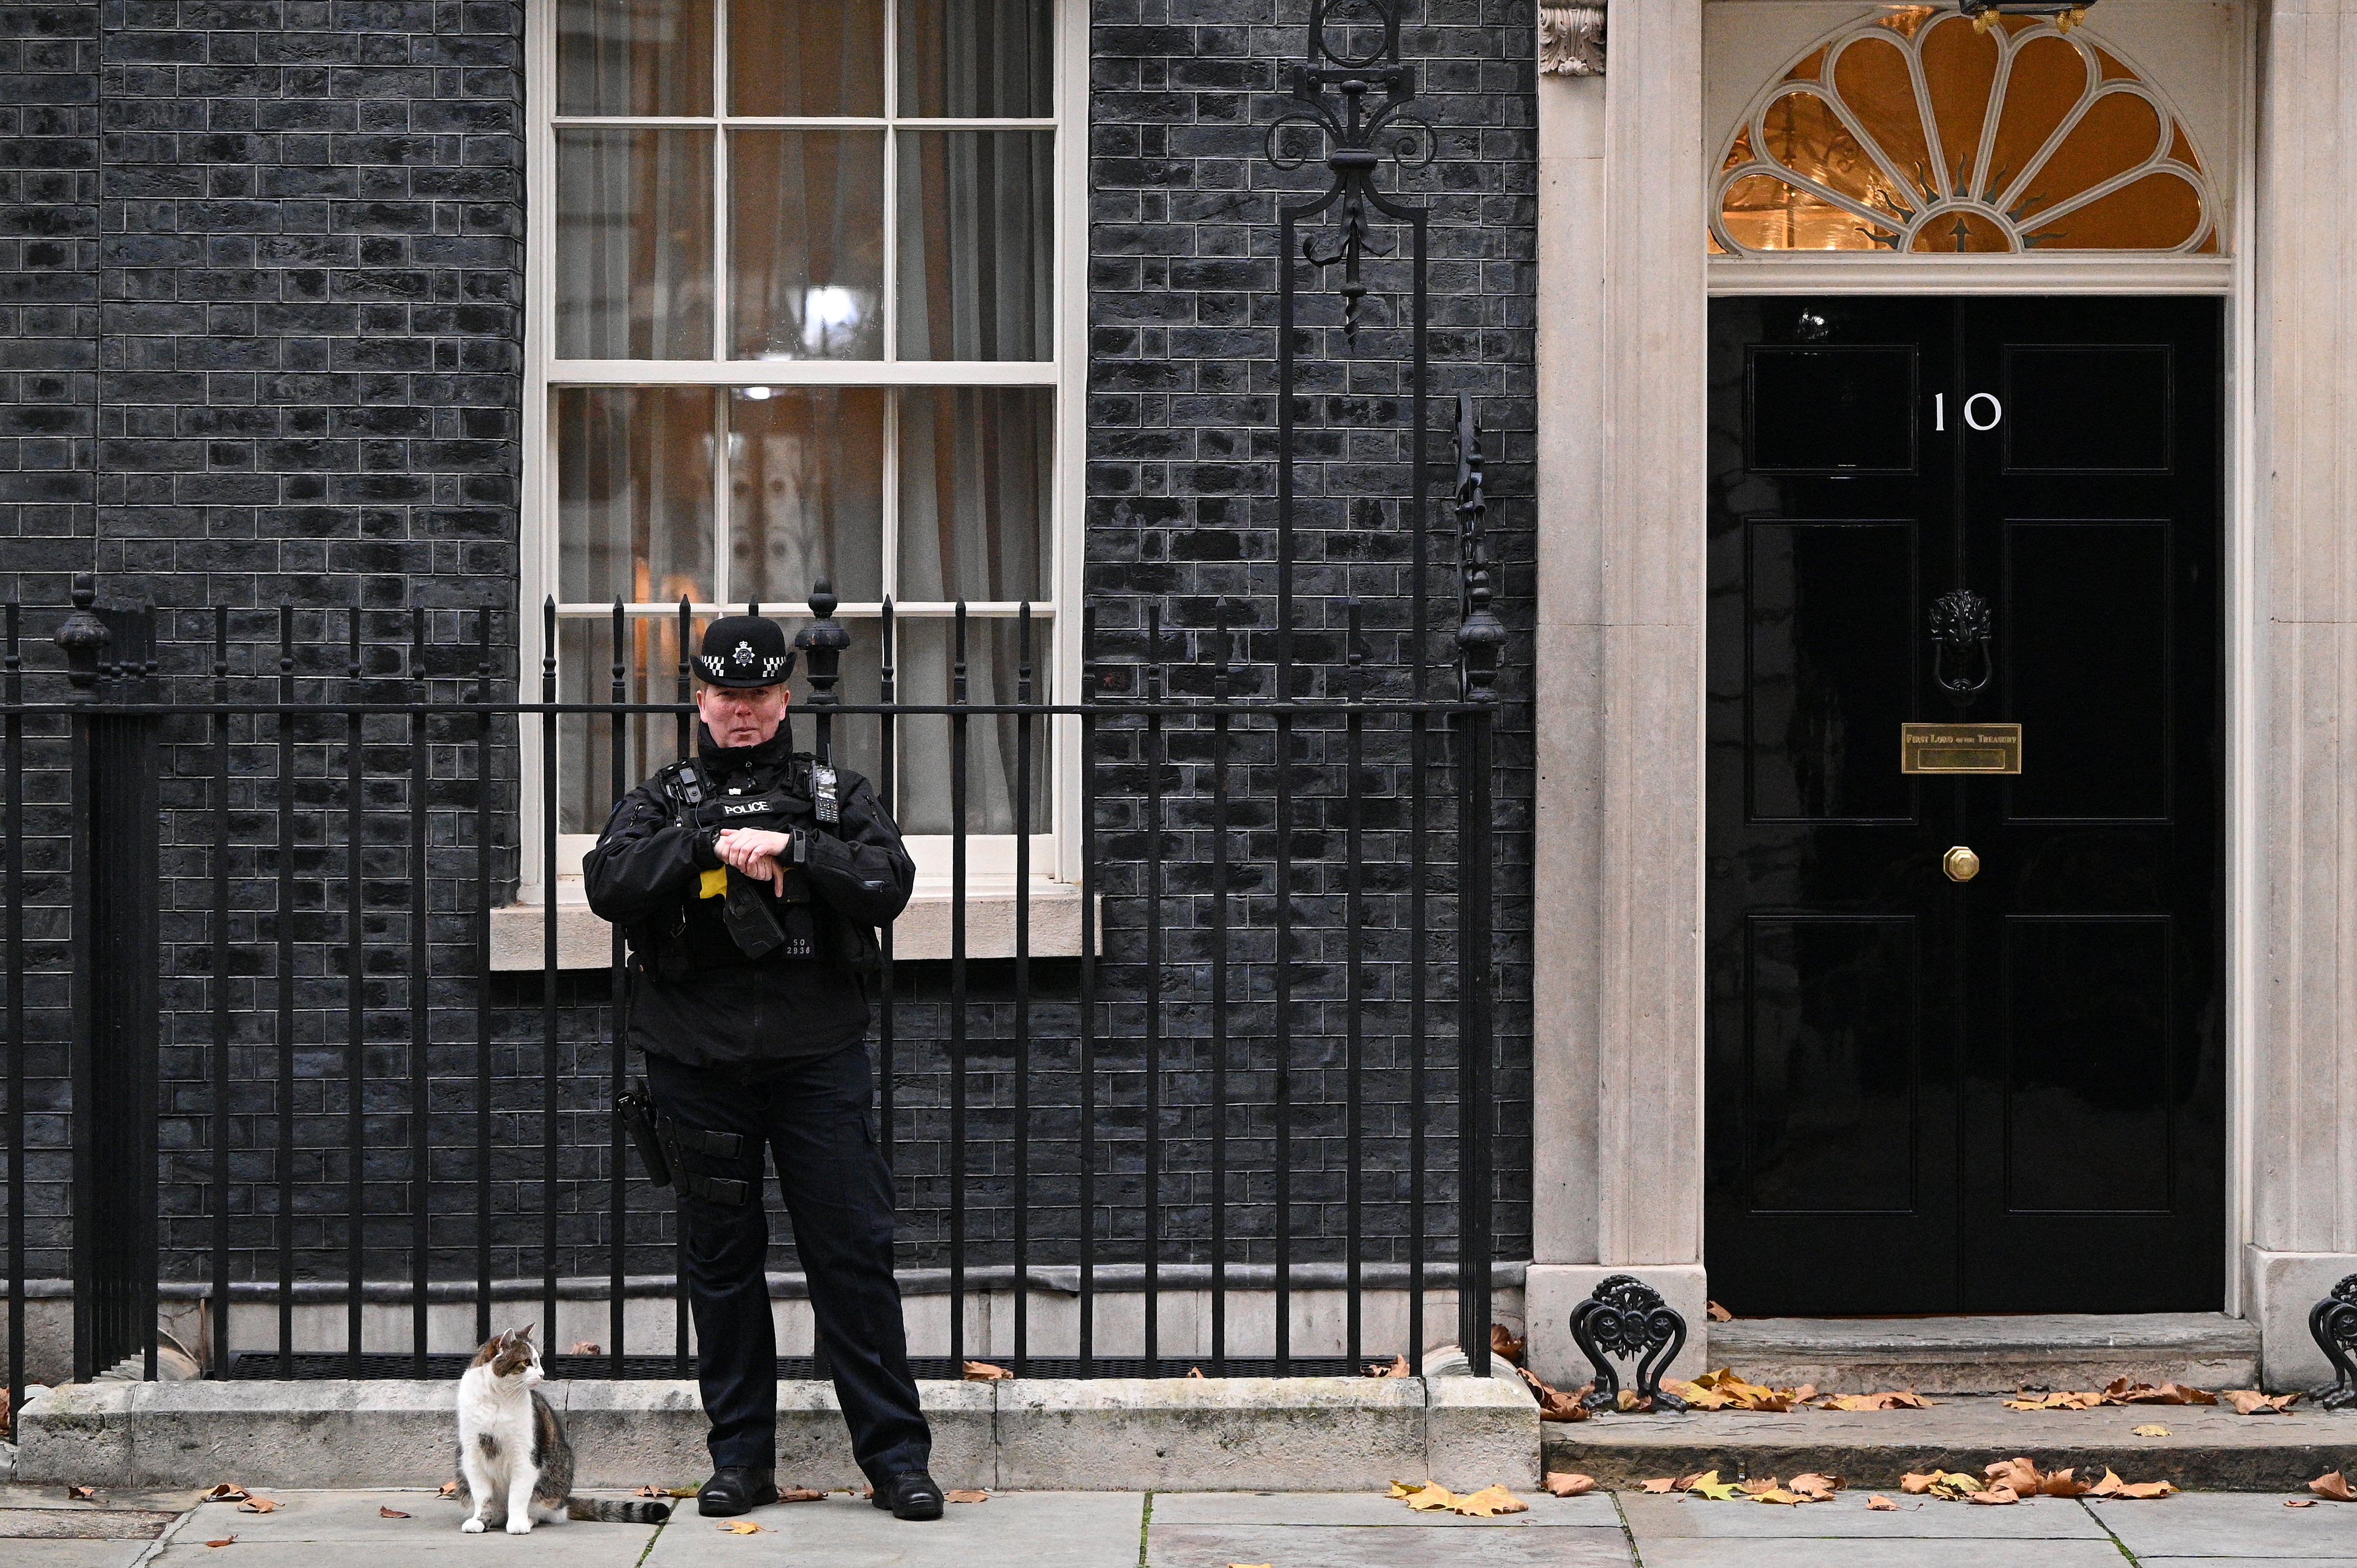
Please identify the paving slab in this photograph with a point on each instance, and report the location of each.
(1692, 1552)
(2209, 1447)
(1013, 1530)
(1290, 1509)
(82, 1524)
(73, 1553)
(310, 1526)
(1374, 1546)
(1652, 1518)
(2213, 1525)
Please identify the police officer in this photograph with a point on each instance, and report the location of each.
(749, 881)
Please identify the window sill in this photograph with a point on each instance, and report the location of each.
(922, 931)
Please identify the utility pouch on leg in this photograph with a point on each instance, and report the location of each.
(638, 1119)
(680, 1140)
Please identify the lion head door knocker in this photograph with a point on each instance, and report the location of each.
(1626, 1318)
(1961, 661)
(2333, 1324)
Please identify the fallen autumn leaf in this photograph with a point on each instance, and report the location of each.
(225, 1540)
(2334, 1487)
(1503, 1343)
(1660, 1484)
(82, 1494)
(1880, 1504)
(1490, 1502)
(1395, 1368)
(984, 1372)
(2250, 1402)
(739, 1527)
(449, 1489)
(384, 1512)
(1716, 1313)
(1570, 1484)
(257, 1504)
(800, 1495)
(967, 1495)
(2299, 1502)
(584, 1348)
(226, 1492)
(2151, 1429)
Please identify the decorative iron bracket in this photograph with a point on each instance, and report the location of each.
(1627, 1318)
(1331, 90)
(2333, 1324)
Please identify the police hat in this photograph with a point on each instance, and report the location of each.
(744, 651)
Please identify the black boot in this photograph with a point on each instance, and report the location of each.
(733, 1490)
(910, 1495)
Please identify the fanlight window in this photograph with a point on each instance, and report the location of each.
(1920, 132)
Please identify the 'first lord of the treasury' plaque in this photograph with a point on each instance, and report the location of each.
(1959, 748)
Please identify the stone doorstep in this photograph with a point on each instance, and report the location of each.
(1104, 1434)
(2207, 1446)
(1991, 1355)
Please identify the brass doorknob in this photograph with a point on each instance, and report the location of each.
(1961, 864)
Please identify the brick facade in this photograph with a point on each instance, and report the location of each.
(263, 266)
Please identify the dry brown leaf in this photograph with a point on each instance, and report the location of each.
(384, 1512)
(1503, 1343)
(2250, 1402)
(2119, 1390)
(2150, 1429)
(800, 1495)
(1570, 1484)
(1779, 1495)
(2334, 1487)
(449, 1489)
(1660, 1484)
(2111, 1486)
(1490, 1502)
(2022, 1474)
(82, 1494)
(1194, 1371)
(2299, 1502)
(1553, 1404)
(967, 1495)
(1723, 1389)
(1816, 1488)
(1716, 1313)
(2026, 1399)
(2065, 1483)
(984, 1372)
(584, 1348)
(1760, 1485)
(226, 1492)
(257, 1504)
(225, 1540)
(1891, 1399)
(1949, 1484)
(1880, 1504)
(1423, 1497)
(651, 1490)
(1993, 1495)
(1684, 1481)
(1395, 1368)
(739, 1527)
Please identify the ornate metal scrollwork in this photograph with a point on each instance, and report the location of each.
(1332, 88)
(1627, 1318)
(2333, 1324)
(1480, 635)
(1959, 639)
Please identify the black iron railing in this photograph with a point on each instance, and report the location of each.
(298, 1082)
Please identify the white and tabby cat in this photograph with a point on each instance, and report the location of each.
(512, 1450)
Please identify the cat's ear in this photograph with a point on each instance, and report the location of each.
(525, 1332)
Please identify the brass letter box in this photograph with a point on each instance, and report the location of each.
(1959, 748)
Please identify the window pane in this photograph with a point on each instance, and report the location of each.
(806, 244)
(977, 58)
(975, 467)
(806, 492)
(976, 226)
(922, 670)
(584, 742)
(634, 56)
(806, 57)
(633, 244)
(634, 494)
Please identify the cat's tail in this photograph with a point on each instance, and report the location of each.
(606, 1510)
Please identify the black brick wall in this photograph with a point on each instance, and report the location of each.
(263, 264)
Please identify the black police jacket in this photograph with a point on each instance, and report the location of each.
(728, 1008)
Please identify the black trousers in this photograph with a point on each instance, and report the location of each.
(813, 1117)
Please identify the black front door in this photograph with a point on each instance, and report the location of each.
(2006, 1093)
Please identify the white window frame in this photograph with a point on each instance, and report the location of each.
(1055, 853)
